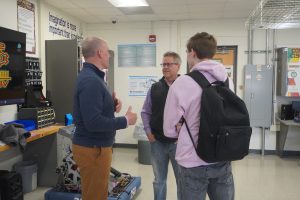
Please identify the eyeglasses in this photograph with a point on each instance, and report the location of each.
(167, 64)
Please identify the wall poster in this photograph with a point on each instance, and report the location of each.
(227, 55)
(137, 55)
(293, 73)
(139, 85)
(26, 23)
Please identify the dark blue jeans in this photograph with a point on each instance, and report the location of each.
(216, 180)
(161, 154)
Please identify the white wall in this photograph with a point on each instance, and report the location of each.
(44, 11)
(173, 35)
(10, 12)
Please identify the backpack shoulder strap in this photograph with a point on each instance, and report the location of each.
(203, 82)
(199, 78)
(227, 82)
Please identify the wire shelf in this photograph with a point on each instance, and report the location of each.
(275, 14)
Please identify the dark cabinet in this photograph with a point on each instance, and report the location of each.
(62, 65)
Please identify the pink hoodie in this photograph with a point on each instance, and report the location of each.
(184, 100)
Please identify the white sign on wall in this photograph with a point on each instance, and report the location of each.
(26, 23)
(139, 85)
(63, 27)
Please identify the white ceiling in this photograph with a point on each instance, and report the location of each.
(101, 11)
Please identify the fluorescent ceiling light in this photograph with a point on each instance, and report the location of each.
(128, 3)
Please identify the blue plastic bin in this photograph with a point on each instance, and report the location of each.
(29, 125)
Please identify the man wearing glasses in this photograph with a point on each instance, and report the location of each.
(162, 148)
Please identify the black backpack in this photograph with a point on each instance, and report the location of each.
(225, 131)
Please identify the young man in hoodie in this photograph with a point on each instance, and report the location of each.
(196, 176)
(162, 148)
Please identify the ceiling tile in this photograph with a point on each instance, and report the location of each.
(167, 9)
(249, 5)
(142, 17)
(166, 16)
(169, 3)
(206, 15)
(61, 4)
(91, 20)
(91, 3)
(243, 1)
(75, 11)
(208, 8)
(104, 11)
(136, 10)
(205, 1)
(234, 15)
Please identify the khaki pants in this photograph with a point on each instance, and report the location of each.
(94, 164)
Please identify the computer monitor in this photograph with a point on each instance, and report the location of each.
(12, 66)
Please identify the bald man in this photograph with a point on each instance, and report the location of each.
(96, 124)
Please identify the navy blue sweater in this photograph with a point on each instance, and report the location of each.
(94, 117)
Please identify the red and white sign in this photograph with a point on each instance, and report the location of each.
(152, 38)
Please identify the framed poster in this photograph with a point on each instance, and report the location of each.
(26, 23)
(227, 55)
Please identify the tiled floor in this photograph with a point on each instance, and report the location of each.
(256, 177)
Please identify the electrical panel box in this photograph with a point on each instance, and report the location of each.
(288, 72)
(258, 94)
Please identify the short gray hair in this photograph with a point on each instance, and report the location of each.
(90, 45)
(174, 55)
